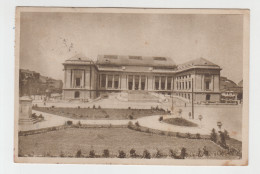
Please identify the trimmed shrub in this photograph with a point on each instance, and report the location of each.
(183, 153)
(99, 107)
(188, 135)
(205, 151)
(78, 154)
(198, 136)
(78, 107)
(161, 118)
(130, 125)
(130, 117)
(121, 154)
(158, 154)
(92, 154)
(107, 116)
(94, 107)
(129, 107)
(146, 154)
(162, 133)
(137, 124)
(172, 153)
(62, 154)
(79, 123)
(133, 153)
(106, 153)
(69, 123)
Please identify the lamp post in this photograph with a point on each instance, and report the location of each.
(219, 124)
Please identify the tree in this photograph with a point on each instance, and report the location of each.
(222, 139)
(213, 135)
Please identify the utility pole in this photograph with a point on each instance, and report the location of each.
(192, 102)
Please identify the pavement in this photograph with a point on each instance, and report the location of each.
(51, 120)
(229, 116)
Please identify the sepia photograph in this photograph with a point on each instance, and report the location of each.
(131, 86)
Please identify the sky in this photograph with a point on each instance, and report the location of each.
(48, 39)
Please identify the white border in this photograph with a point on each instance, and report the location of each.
(7, 11)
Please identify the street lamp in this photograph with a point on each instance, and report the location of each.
(219, 124)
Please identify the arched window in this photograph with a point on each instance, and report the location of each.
(76, 94)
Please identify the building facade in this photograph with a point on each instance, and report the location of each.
(84, 78)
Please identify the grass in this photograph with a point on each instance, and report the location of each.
(180, 122)
(90, 113)
(69, 141)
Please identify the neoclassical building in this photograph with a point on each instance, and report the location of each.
(84, 78)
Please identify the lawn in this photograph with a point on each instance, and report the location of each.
(69, 141)
(180, 122)
(99, 113)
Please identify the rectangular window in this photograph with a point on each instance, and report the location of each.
(109, 81)
(116, 81)
(163, 79)
(143, 79)
(169, 82)
(130, 82)
(189, 84)
(77, 82)
(156, 83)
(136, 82)
(207, 85)
(103, 81)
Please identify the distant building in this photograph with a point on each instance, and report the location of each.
(230, 91)
(32, 83)
(84, 78)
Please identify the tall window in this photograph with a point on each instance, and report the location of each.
(130, 82)
(169, 80)
(116, 81)
(136, 82)
(103, 81)
(156, 83)
(109, 81)
(143, 79)
(163, 83)
(77, 82)
(207, 85)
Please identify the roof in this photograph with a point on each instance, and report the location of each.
(78, 59)
(120, 60)
(200, 62)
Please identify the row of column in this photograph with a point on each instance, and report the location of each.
(165, 83)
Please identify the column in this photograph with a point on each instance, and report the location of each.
(166, 83)
(172, 83)
(159, 82)
(133, 85)
(65, 78)
(106, 81)
(146, 83)
(139, 86)
(119, 82)
(82, 78)
(73, 78)
(203, 83)
(113, 81)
